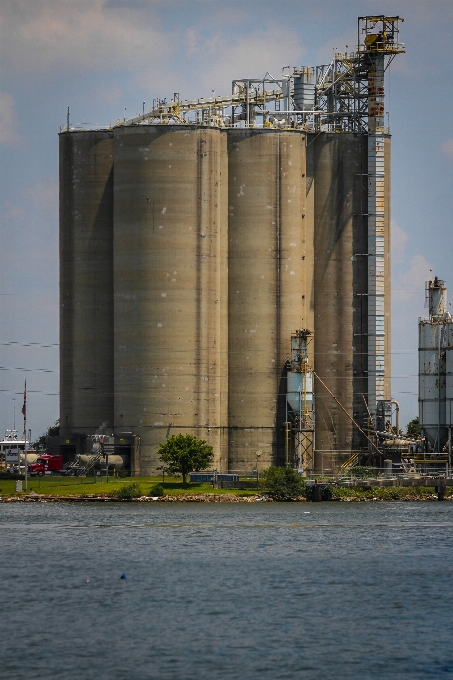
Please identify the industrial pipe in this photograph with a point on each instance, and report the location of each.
(392, 401)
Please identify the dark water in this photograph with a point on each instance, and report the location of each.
(349, 590)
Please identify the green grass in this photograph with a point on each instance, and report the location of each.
(68, 486)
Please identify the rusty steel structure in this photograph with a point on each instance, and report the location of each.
(198, 237)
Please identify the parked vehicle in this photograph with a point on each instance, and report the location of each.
(46, 465)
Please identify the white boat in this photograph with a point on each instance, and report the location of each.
(12, 449)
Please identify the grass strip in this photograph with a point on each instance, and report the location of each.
(75, 486)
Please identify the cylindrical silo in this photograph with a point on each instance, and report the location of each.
(432, 395)
(86, 281)
(269, 252)
(338, 174)
(170, 290)
(449, 381)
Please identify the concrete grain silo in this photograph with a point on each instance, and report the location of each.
(170, 286)
(86, 281)
(337, 169)
(269, 285)
(198, 239)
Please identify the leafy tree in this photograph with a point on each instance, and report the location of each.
(414, 427)
(39, 444)
(282, 483)
(183, 453)
(54, 430)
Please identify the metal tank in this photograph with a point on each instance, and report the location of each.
(86, 281)
(270, 272)
(170, 286)
(337, 176)
(432, 383)
(449, 384)
(115, 461)
(32, 457)
(436, 299)
(304, 88)
(434, 347)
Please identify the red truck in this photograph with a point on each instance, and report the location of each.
(46, 465)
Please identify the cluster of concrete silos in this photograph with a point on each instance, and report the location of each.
(188, 257)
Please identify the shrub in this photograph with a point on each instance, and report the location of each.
(282, 483)
(361, 472)
(127, 492)
(157, 490)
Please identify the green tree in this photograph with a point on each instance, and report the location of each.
(39, 444)
(282, 483)
(183, 453)
(54, 430)
(414, 427)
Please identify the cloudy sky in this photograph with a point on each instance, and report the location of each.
(100, 57)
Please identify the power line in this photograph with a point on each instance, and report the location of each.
(16, 368)
(28, 344)
(230, 352)
(49, 394)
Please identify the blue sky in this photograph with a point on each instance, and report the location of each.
(100, 57)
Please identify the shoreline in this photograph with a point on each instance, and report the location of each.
(202, 498)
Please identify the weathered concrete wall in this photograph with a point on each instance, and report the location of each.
(86, 281)
(170, 289)
(267, 279)
(338, 163)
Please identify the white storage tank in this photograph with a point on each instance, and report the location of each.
(434, 338)
(449, 376)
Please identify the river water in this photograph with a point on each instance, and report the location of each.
(250, 590)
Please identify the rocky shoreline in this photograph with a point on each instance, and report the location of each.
(180, 498)
(195, 498)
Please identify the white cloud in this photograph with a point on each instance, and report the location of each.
(447, 148)
(52, 38)
(413, 280)
(399, 241)
(67, 34)
(8, 122)
(420, 270)
(249, 56)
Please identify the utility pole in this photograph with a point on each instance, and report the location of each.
(24, 411)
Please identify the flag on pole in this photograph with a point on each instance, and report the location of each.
(24, 407)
